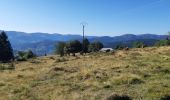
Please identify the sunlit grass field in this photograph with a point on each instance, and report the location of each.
(142, 74)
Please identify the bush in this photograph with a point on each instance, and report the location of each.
(7, 67)
(24, 55)
(59, 48)
(2, 67)
(21, 56)
(30, 54)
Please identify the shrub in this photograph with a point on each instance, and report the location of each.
(7, 66)
(2, 67)
(21, 56)
(59, 48)
(30, 54)
(24, 55)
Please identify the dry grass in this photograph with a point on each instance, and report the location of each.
(138, 73)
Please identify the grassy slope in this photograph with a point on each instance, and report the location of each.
(140, 73)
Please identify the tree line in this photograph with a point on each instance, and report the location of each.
(64, 48)
(75, 46)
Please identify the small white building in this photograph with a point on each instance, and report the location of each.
(106, 50)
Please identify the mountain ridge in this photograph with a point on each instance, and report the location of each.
(46, 41)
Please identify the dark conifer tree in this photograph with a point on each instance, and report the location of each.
(6, 51)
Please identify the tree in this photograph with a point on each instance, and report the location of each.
(139, 45)
(6, 51)
(163, 42)
(95, 46)
(86, 45)
(60, 48)
(73, 47)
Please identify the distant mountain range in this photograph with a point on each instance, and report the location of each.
(42, 43)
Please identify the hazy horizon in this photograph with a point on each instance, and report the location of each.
(104, 17)
(81, 33)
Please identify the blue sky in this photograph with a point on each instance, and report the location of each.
(104, 17)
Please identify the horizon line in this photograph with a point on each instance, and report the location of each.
(79, 34)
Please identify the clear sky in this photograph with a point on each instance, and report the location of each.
(104, 17)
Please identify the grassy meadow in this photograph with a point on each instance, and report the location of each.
(142, 74)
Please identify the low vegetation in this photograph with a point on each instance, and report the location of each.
(24, 55)
(134, 74)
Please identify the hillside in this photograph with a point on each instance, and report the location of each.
(42, 43)
(142, 74)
